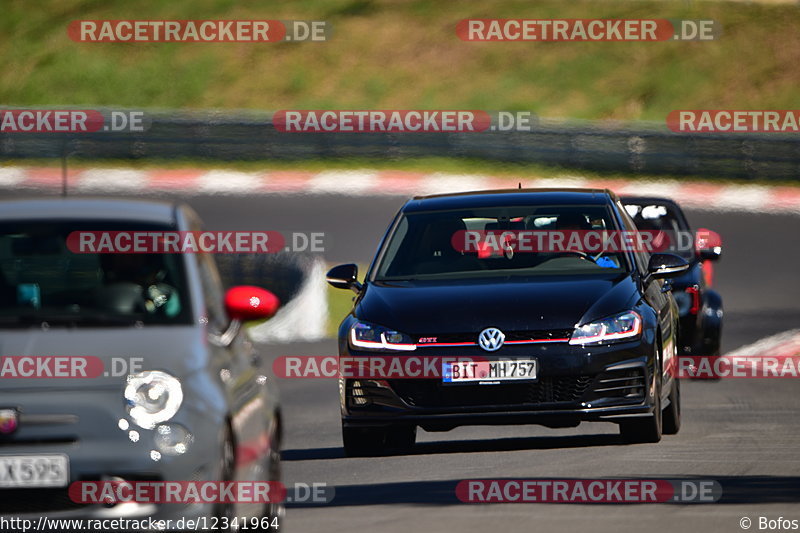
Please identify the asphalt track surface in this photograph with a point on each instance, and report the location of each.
(744, 433)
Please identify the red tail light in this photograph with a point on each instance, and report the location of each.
(694, 292)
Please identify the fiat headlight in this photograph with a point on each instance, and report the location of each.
(152, 398)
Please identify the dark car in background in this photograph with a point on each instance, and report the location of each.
(699, 305)
(593, 336)
(188, 402)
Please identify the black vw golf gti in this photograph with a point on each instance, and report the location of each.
(699, 305)
(563, 336)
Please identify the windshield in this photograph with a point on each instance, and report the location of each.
(42, 281)
(673, 230)
(496, 241)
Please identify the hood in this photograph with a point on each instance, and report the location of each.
(420, 308)
(178, 350)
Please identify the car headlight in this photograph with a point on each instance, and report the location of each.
(371, 337)
(152, 397)
(172, 439)
(622, 326)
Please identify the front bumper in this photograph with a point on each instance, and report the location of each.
(574, 384)
(86, 426)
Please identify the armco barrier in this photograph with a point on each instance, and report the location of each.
(638, 147)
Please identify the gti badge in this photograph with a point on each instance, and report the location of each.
(491, 339)
(8, 421)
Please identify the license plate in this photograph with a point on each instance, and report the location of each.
(34, 471)
(490, 371)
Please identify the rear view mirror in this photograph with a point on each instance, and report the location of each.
(29, 245)
(344, 277)
(708, 244)
(247, 302)
(667, 265)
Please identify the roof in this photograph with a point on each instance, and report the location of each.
(653, 200)
(674, 209)
(510, 197)
(87, 209)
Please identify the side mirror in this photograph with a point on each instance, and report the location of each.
(708, 244)
(246, 302)
(344, 277)
(667, 265)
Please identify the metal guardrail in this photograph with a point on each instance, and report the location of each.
(644, 147)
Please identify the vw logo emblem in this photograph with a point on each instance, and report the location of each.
(491, 339)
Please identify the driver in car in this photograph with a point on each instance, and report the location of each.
(578, 222)
(135, 283)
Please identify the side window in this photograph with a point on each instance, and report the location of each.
(642, 257)
(212, 293)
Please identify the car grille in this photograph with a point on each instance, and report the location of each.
(431, 393)
(510, 337)
(34, 441)
(23, 501)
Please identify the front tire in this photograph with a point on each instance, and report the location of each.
(275, 509)
(401, 438)
(671, 418)
(645, 430)
(363, 442)
(224, 512)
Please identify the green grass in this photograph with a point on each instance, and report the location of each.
(404, 54)
(340, 302)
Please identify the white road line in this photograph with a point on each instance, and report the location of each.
(668, 188)
(109, 179)
(780, 344)
(742, 198)
(440, 183)
(304, 317)
(367, 182)
(230, 182)
(572, 182)
(351, 182)
(11, 176)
